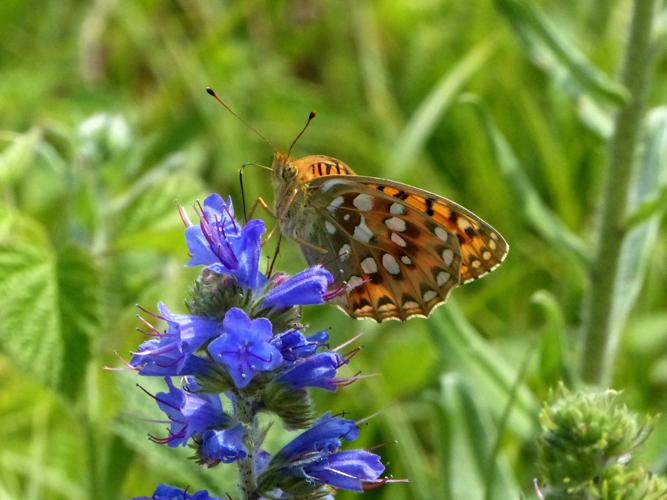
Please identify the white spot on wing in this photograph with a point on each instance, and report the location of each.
(395, 224)
(442, 278)
(362, 232)
(406, 260)
(369, 266)
(410, 304)
(390, 264)
(346, 217)
(441, 233)
(429, 295)
(396, 209)
(330, 184)
(344, 252)
(355, 281)
(363, 202)
(448, 256)
(335, 203)
(331, 229)
(398, 240)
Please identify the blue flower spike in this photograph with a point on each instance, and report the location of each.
(242, 351)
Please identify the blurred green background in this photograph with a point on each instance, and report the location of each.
(503, 106)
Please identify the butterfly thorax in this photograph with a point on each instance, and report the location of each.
(291, 190)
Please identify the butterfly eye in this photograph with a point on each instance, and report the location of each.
(289, 172)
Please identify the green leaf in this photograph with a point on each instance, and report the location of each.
(554, 364)
(151, 203)
(550, 50)
(79, 308)
(119, 461)
(650, 178)
(430, 111)
(48, 304)
(29, 321)
(18, 156)
(466, 436)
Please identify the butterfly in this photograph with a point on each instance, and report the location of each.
(398, 249)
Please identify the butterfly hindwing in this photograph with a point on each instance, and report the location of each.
(407, 262)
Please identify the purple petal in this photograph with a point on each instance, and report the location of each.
(347, 470)
(307, 287)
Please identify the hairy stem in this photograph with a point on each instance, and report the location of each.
(247, 479)
(599, 343)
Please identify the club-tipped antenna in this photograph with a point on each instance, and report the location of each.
(310, 119)
(215, 96)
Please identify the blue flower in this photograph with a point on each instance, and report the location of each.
(324, 436)
(318, 370)
(347, 470)
(307, 287)
(167, 492)
(189, 414)
(222, 244)
(172, 352)
(314, 457)
(244, 347)
(293, 345)
(224, 445)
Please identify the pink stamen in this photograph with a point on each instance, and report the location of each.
(127, 366)
(366, 419)
(371, 485)
(184, 216)
(348, 342)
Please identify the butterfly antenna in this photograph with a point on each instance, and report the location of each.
(245, 214)
(215, 96)
(310, 119)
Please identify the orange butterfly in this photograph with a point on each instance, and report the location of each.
(400, 250)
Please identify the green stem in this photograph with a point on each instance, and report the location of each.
(599, 343)
(246, 467)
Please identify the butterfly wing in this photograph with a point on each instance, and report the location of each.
(403, 247)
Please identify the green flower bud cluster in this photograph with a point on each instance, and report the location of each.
(586, 449)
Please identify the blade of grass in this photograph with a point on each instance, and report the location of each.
(463, 348)
(424, 120)
(465, 442)
(550, 49)
(554, 366)
(493, 457)
(543, 220)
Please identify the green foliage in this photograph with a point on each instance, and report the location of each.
(588, 442)
(503, 106)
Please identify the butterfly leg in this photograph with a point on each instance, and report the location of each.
(310, 245)
(261, 203)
